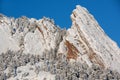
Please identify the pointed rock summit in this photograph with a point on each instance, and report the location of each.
(89, 43)
(40, 48)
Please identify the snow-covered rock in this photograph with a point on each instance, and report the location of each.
(87, 42)
(45, 37)
(35, 41)
(6, 40)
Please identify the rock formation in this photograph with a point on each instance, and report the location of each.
(33, 49)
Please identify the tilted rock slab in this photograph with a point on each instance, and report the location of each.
(87, 42)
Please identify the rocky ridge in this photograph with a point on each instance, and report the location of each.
(33, 49)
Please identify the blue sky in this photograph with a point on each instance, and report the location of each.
(106, 12)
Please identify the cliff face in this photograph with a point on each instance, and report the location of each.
(91, 44)
(40, 48)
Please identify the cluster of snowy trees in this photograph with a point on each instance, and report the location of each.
(56, 64)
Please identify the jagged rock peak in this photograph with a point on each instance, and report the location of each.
(91, 44)
(30, 35)
(56, 52)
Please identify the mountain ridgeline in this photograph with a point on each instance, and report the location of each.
(33, 49)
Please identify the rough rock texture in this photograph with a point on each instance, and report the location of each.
(88, 43)
(33, 49)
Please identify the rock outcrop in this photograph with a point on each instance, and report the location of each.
(33, 49)
(87, 42)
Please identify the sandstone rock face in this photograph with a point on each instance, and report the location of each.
(33, 49)
(87, 42)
